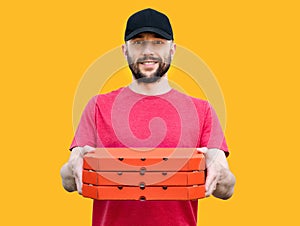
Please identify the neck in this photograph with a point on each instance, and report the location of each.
(151, 89)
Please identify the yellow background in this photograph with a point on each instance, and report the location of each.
(251, 46)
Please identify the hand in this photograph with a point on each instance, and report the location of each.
(219, 181)
(71, 172)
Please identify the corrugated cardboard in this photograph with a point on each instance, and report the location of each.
(157, 174)
(148, 178)
(158, 159)
(148, 193)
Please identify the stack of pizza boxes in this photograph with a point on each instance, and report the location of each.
(142, 174)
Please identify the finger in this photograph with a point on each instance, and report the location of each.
(210, 181)
(78, 180)
(212, 187)
(78, 174)
(202, 150)
(68, 180)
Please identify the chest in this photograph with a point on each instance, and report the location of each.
(148, 123)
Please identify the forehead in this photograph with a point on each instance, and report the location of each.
(146, 35)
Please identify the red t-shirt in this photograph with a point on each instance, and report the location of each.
(124, 118)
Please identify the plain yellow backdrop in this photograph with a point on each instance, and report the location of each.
(252, 47)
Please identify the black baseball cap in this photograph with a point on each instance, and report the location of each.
(148, 20)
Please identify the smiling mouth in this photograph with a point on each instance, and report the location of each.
(148, 62)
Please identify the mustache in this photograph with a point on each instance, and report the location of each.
(148, 58)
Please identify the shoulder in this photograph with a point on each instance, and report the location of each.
(106, 97)
(101, 101)
(199, 103)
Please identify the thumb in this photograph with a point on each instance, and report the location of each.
(87, 149)
(202, 150)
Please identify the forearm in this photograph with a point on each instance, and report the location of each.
(225, 185)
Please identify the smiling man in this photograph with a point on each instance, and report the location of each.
(149, 113)
(145, 67)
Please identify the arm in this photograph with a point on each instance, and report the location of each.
(71, 172)
(219, 181)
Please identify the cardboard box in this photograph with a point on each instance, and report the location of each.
(158, 159)
(147, 193)
(156, 174)
(148, 178)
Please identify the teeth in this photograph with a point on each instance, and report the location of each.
(149, 62)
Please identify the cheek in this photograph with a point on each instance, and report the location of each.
(131, 56)
(166, 56)
(130, 59)
(167, 59)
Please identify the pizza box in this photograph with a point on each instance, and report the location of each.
(143, 193)
(157, 159)
(148, 178)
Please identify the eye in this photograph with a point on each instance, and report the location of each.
(138, 42)
(157, 42)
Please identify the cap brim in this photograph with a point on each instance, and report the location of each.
(149, 29)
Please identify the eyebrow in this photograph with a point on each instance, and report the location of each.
(137, 36)
(142, 36)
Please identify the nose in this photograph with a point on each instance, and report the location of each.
(147, 50)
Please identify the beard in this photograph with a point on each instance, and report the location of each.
(163, 67)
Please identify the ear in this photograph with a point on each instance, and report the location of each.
(173, 50)
(124, 50)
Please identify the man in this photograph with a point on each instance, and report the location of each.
(149, 113)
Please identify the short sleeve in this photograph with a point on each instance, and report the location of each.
(86, 132)
(212, 135)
